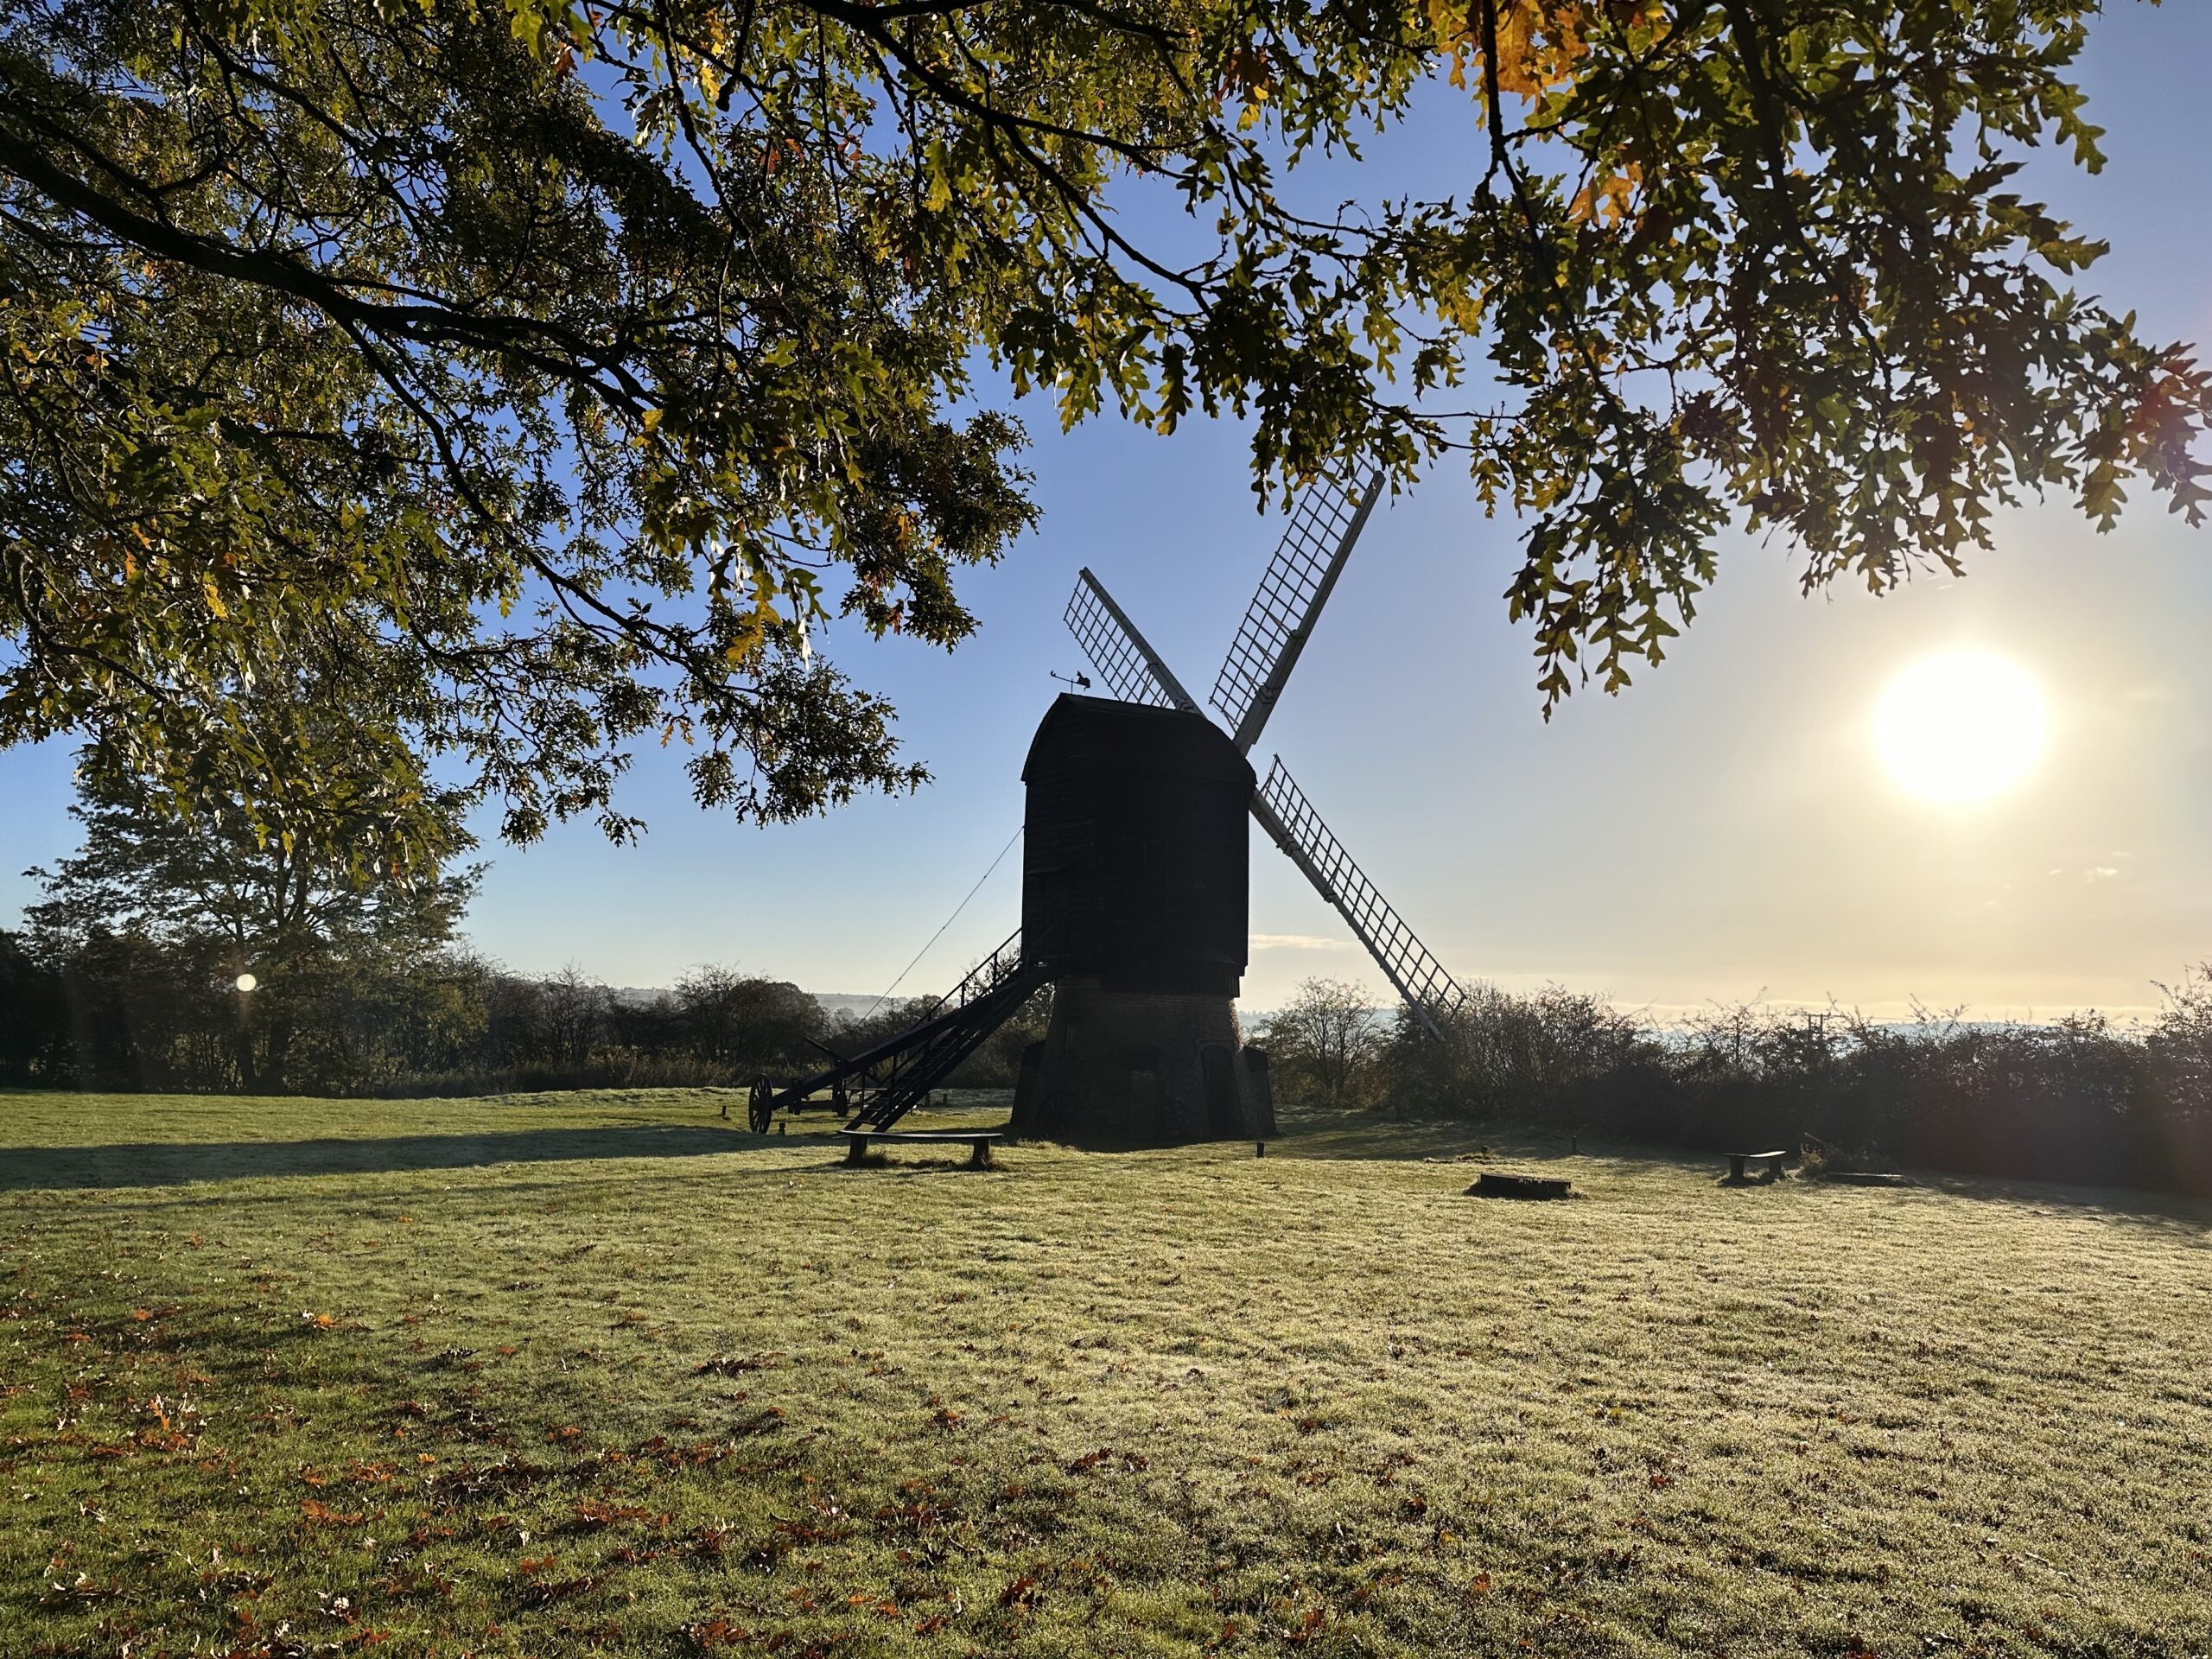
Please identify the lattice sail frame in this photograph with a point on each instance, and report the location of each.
(1133, 670)
(1285, 813)
(1315, 543)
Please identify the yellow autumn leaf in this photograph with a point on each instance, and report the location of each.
(1539, 43)
(1606, 200)
(214, 600)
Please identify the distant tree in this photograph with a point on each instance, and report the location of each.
(221, 889)
(137, 1015)
(374, 1022)
(516, 1026)
(575, 1015)
(854, 1033)
(1325, 1042)
(34, 1027)
(2181, 1038)
(213, 877)
(741, 1020)
(535, 376)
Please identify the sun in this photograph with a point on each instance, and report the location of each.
(1961, 726)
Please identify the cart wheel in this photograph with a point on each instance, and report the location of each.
(762, 1106)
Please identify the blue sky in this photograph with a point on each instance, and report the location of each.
(1721, 831)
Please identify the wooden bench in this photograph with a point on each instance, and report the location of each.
(979, 1142)
(1769, 1163)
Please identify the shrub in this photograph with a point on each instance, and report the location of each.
(1326, 1047)
(2079, 1100)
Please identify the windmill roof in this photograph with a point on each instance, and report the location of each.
(1131, 736)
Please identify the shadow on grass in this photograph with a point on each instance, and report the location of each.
(1363, 1138)
(174, 1164)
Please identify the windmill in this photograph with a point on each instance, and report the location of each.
(1135, 885)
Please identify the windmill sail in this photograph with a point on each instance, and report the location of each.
(1133, 670)
(1286, 815)
(1328, 520)
(1135, 673)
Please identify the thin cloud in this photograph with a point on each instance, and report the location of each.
(1295, 942)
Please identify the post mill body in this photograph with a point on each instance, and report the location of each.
(1135, 885)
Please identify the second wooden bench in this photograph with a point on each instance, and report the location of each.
(1770, 1165)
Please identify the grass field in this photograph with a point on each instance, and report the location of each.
(602, 1373)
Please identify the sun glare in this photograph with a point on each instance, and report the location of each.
(1959, 726)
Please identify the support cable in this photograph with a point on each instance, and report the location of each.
(948, 921)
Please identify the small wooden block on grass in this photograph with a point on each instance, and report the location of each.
(1495, 1184)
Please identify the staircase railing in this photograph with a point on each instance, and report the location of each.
(890, 1078)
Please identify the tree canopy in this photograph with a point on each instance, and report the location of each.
(544, 377)
(211, 882)
(151, 922)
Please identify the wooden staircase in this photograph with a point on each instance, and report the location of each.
(884, 1083)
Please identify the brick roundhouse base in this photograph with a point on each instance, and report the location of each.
(1142, 1069)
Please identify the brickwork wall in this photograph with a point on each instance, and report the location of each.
(1130, 1068)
